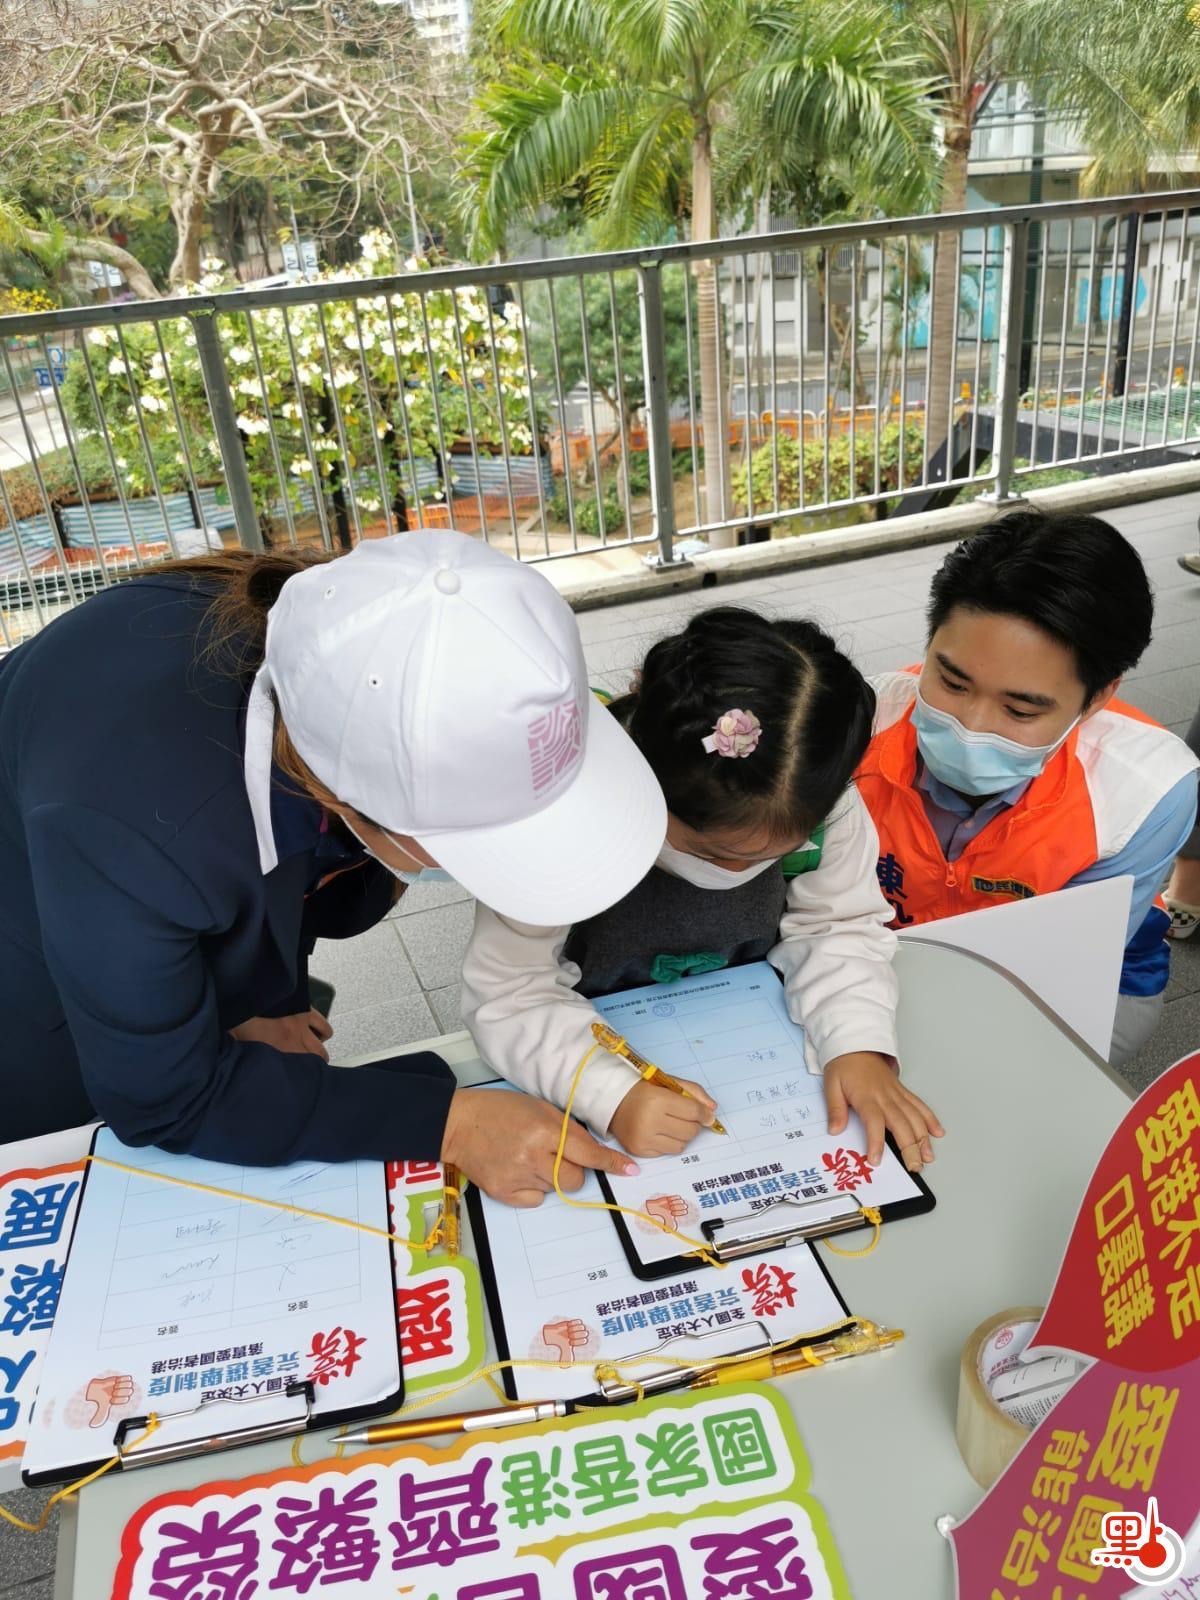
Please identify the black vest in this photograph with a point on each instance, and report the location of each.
(665, 928)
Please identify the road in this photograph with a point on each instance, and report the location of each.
(41, 416)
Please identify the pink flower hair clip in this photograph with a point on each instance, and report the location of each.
(735, 733)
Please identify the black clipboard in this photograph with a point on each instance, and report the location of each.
(795, 1224)
(239, 1425)
(661, 1379)
(782, 1224)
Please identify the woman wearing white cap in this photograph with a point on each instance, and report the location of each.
(206, 769)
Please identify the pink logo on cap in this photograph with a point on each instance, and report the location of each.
(555, 744)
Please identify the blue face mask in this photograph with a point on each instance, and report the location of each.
(426, 875)
(976, 763)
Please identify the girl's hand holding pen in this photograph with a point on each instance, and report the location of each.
(652, 1121)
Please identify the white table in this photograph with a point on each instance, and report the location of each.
(1028, 1110)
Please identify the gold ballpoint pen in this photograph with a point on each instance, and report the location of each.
(459, 1422)
(612, 1041)
(863, 1339)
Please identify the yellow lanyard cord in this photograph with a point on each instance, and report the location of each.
(73, 1488)
(600, 1369)
(696, 1247)
(875, 1217)
(430, 1241)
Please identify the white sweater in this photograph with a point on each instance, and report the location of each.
(834, 953)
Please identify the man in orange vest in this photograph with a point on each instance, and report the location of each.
(1004, 766)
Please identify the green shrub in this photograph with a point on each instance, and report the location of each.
(587, 513)
(788, 452)
(62, 485)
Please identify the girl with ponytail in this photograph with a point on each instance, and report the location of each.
(754, 728)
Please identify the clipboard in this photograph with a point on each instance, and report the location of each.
(779, 1178)
(142, 1243)
(775, 1225)
(512, 1277)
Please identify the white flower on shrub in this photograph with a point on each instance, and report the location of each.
(251, 425)
(241, 355)
(116, 366)
(151, 402)
(250, 386)
(342, 377)
(100, 336)
(301, 466)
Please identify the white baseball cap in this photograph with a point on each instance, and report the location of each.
(439, 688)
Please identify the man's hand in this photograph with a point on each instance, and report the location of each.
(505, 1144)
(652, 1121)
(868, 1083)
(303, 1033)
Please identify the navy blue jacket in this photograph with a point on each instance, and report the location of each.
(136, 926)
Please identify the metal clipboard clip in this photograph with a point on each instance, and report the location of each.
(759, 1230)
(275, 1416)
(703, 1350)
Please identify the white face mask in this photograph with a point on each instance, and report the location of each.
(424, 875)
(706, 874)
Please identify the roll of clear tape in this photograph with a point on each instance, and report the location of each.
(988, 1439)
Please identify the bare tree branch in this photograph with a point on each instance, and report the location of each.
(187, 89)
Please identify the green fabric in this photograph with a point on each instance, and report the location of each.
(806, 860)
(669, 969)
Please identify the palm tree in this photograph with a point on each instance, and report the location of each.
(633, 124)
(1127, 70)
(1130, 79)
(963, 46)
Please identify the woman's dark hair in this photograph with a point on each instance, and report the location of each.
(1074, 577)
(244, 585)
(814, 706)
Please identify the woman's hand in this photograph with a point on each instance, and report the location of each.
(303, 1033)
(505, 1144)
(652, 1121)
(865, 1082)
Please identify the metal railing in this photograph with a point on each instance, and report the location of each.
(626, 401)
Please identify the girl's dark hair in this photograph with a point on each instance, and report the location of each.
(814, 706)
(1074, 577)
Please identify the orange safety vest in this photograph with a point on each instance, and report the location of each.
(1073, 813)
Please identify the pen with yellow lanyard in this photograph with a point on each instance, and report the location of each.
(451, 1196)
(612, 1041)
